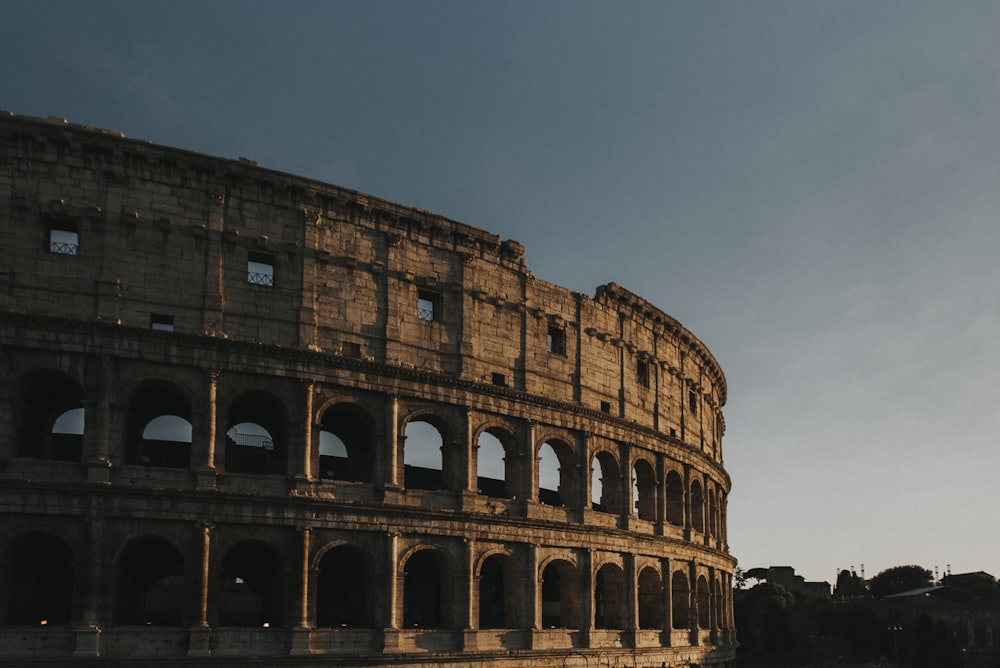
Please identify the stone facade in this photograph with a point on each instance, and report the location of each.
(244, 413)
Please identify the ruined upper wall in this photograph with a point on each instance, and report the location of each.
(225, 248)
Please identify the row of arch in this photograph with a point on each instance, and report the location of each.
(153, 584)
(348, 444)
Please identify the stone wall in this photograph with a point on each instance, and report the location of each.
(215, 377)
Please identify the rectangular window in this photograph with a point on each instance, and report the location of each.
(642, 373)
(426, 305)
(693, 402)
(556, 340)
(350, 349)
(63, 240)
(605, 406)
(500, 379)
(162, 323)
(260, 269)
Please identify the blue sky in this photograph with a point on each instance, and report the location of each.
(809, 187)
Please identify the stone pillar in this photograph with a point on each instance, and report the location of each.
(687, 502)
(392, 465)
(631, 596)
(628, 504)
(204, 467)
(87, 632)
(469, 597)
(97, 426)
(693, 604)
(533, 461)
(468, 453)
(532, 595)
(200, 636)
(583, 476)
(300, 631)
(304, 478)
(661, 497)
(666, 581)
(586, 594)
(391, 596)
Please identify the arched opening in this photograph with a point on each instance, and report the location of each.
(255, 435)
(498, 593)
(644, 491)
(704, 604)
(560, 599)
(344, 446)
(716, 603)
(150, 577)
(609, 598)
(250, 592)
(344, 594)
(680, 598)
(159, 429)
(697, 507)
(556, 484)
(712, 519)
(426, 584)
(492, 472)
(675, 499)
(423, 456)
(605, 483)
(41, 580)
(52, 417)
(650, 599)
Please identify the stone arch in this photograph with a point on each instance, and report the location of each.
(697, 507)
(497, 469)
(345, 587)
(675, 498)
(556, 480)
(250, 586)
(680, 600)
(644, 490)
(256, 434)
(704, 603)
(499, 591)
(428, 589)
(605, 482)
(345, 443)
(560, 595)
(149, 577)
(40, 580)
(52, 416)
(158, 430)
(425, 441)
(650, 595)
(610, 597)
(712, 519)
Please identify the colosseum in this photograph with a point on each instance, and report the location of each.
(248, 417)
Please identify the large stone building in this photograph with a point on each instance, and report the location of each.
(247, 414)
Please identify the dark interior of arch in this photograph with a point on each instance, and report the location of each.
(609, 598)
(353, 433)
(251, 454)
(46, 396)
(422, 592)
(151, 401)
(251, 586)
(41, 580)
(492, 595)
(650, 600)
(343, 595)
(150, 583)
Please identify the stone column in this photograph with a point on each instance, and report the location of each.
(87, 632)
(391, 596)
(468, 455)
(391, 466)
(205, 468)
(631, 596)
(469, 597)
(200, 635)
(304, 478)
(666, 581)
(628, 504)
(687, 502)
(532, 594)
(300, 631)
(586, 594)
(97, 426)
(533, 461)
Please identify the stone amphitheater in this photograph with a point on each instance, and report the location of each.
(251, 418)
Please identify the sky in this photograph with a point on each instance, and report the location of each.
(810, 187)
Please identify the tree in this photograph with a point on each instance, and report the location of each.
(899, 579)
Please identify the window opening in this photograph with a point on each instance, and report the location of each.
(344, 452)
(493, 595)
(426, 305)
(350, 349)
(650, 600)
(150, 583)
(560, 607)
(609, 598)
(423, 457)
(491, 469)
(556, 340)
(693, 402)
(162, 323)
(675, 499)
(642, 373)
(260, 269)
(605, 406)
(703, 603)
(500, 379)
(644, 491)
(63, 240)
(680, 603)
(41, 580)
(53, 418)
(549, 476)
(697, 508)
(605, 483)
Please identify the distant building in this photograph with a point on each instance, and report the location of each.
(796, 584)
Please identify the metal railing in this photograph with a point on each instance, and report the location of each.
(260, 278)
(63, 248)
